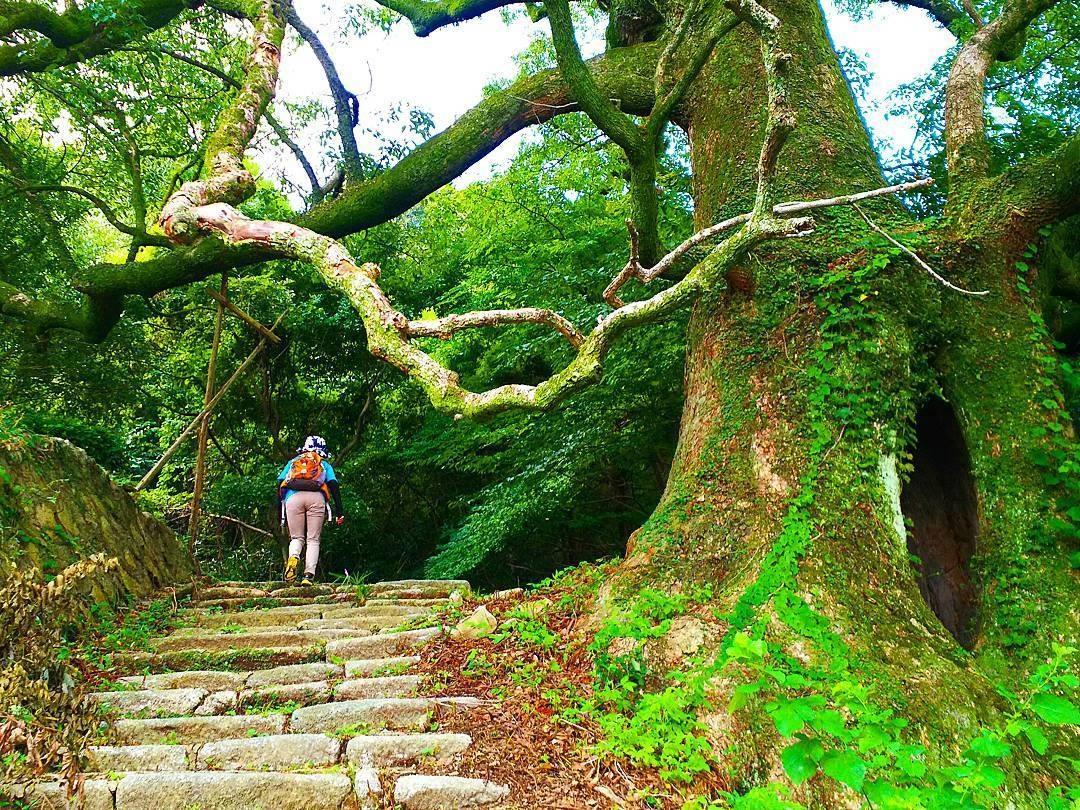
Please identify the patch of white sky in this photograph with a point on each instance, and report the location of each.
(445, 73)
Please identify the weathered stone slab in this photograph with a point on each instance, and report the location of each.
(260, 639)
(210, 680)
(304, 694)
(104, 758)
(227, 592)
(385, 687)
(194, 730)
(97, 795)
(379, 667)
(434, 587)
(218, 703)
(367, 624)
(277, 753)
(296, 673)
(210, 790)
(153, 702)
(395, 601)
(303, 591)
(368, 789)
(422, 792)
(373, 610)
(383, 645)
(258, 618)
(411, 714)
(384, 750)
(240, 659)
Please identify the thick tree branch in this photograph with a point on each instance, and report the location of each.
(346, 104)
(634, 269)
(225, 178)
(74, 36)
(966, 150)
(427, 16)
(624, 73)
(943, 11)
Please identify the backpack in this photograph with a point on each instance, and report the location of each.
(306, 467)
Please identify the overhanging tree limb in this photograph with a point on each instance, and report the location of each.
(427, 16)
(390, 334)
(77, 36)
(623, 73)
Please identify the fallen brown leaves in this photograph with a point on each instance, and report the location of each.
(520, 737)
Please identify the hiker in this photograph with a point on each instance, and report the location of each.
(305, 489)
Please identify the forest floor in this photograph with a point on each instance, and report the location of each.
(537, 728)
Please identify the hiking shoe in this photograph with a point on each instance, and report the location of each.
(307, 580)
(290, 569)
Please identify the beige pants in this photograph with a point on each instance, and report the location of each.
(306, 513)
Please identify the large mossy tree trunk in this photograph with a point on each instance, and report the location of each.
(805, 378)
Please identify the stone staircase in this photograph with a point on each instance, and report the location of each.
(286, 698)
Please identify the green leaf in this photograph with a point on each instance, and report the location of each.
(845, 767)
(1057, 711)
(1037, 739)
(800, 759)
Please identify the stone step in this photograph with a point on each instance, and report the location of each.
(224, 680)
(115, 758)
(384, 645)
(423, 792)
(395, 750)
(429, 587)
(374, 714)
(302, 694)
(398, 714)
(240, 659)
(380, 667)
(283, 616)
(296, 673)
(260, 639)
(279, 752)
(196, 730)
(210, 680)
(213, 790)
(369, 609)
(260, 603)
(385, 601)
(370, 624)
(380, 687)
(153, 702)
(97, 795)
(252, 618)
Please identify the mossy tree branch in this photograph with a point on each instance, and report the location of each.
(966, 148)
(73, 36)
(390, 334)
(427, 16)
(944, 12)
(624, 73)
(224, 176)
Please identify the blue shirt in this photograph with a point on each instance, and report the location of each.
(328, 471)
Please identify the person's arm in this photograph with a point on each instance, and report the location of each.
(335, 493)
(334, 488)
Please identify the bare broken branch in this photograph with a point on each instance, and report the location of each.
(445, 327)
(633, 269)
(916, 258)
